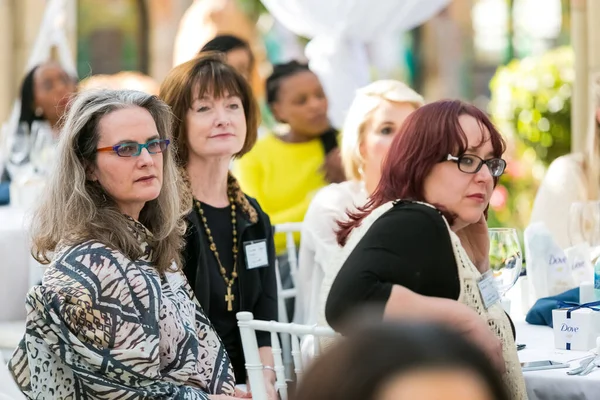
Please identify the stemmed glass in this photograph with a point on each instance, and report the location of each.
(506, 258)
(42, 148)
(21, 145)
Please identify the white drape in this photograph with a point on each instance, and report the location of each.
(340, 32)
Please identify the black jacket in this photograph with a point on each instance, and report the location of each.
(257, 287)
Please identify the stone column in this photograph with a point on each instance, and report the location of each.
(580, 100)
(164, 22)
(6, 63)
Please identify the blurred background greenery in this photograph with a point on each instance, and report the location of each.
(531, 105)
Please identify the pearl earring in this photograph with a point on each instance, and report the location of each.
(39, 112)
(361, 172)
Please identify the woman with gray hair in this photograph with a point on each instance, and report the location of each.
(114, 315)
(375, 116)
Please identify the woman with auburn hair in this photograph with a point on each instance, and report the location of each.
(229, 255)
(423, 234)
(114, 314)
(374, 118)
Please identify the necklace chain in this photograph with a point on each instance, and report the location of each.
(229, 297)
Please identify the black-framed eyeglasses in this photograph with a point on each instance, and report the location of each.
(471, 164)
(134, 149)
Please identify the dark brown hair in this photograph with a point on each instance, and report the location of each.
(227, 43)
(426, 138)
(207, 73)
(359, 366)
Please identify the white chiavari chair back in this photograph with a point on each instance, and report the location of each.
(248, 327)
(290, 229)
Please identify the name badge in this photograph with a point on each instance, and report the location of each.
(487, 289)
(256, 254)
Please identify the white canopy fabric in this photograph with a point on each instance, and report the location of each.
(341, 31)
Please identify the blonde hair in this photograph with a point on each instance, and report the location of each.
(75, 209)
(592, 154)
(366, 101)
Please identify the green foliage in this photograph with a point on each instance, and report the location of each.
(531, 105)
(531, 99)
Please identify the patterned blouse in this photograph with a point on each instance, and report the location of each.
(104, 327)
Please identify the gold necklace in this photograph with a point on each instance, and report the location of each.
(229, 297)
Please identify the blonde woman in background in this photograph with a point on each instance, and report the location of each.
(570, 178)
(374, 118)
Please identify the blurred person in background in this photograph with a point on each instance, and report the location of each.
(114, 313)
(374, 118)
(284, 171)
(570, 178)
(237, 53)
(420, 246)
(216, 118)
(45, 94)
(402, 362)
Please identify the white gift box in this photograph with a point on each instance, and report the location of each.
(576, 330)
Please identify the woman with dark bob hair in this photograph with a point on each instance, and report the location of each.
(401, 362)
(423, 234)
(229, 255)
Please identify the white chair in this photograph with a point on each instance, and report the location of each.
(248, 327)
(289, 229)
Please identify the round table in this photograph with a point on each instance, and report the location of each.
(553, 384)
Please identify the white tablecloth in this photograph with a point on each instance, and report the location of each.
(18, 270)
(553, 383)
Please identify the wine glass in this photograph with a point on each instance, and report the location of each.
(42, 147)
(21, 145)
(506, 258)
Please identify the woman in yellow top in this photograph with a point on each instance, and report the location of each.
(283, 172)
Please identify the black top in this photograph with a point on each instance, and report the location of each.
(329, 140)
(255, 289)
(409, 245)
(219, 222)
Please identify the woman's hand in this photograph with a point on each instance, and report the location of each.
(476, 242)
(271, 391)
(332, 167)
(237, 395)
(240, 394)
(476, 329)
(269, 379)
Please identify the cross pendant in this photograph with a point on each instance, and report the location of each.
(229, 299)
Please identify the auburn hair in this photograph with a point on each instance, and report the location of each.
(426, 138)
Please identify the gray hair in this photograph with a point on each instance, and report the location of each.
(75, 209)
